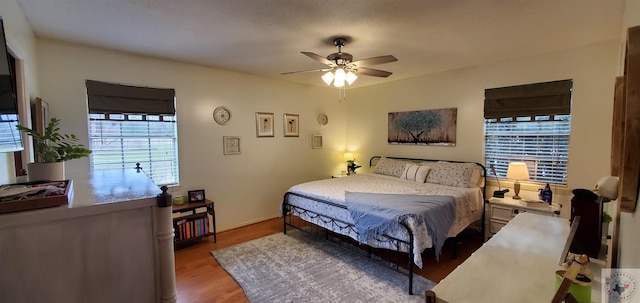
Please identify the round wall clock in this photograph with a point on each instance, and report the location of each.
(323, 119)
(221, 115)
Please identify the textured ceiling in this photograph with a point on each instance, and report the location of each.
(265, 37)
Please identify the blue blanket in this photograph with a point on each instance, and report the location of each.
(375, 214)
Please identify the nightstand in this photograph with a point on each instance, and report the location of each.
(501, 210)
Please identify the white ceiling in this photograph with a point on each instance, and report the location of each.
(265, 37)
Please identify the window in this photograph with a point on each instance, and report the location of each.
(129, 125)
(529, 123)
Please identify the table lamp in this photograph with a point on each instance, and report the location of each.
(517, 171)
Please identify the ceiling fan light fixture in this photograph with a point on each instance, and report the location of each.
(327, 78)
(351, 77)
(339, 77)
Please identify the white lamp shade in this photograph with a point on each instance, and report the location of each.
(351, 77)
(518, 171)
(327, 78)
(340, 76)
(348, 156)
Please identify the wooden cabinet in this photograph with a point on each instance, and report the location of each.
(501, 210)
(190, 224)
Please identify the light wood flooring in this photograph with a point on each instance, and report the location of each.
(199, 277)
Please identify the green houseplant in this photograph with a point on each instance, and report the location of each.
(53, 147)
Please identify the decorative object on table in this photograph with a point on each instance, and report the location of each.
(231, 145)
(316, 141)
(196, 195)
(517, 171)
(264, 125)
(291, 125)
(351, 163)
(52, 149)
(323, 119)
(546, 194)
(178, 200)
(221, 115)
(34, 195)
(423, 127)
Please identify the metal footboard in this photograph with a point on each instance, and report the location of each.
(289, 211)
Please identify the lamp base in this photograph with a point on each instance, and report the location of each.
(516, 190)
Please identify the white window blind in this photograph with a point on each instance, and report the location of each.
(122, 140)
(540, 141)
(10, 139)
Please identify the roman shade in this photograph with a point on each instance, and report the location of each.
(109, 98)
(548, 98)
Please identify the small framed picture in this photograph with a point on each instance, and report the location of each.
(291, 125)
(196, 195)
(231, 145)
(316, 141)
(264, 125)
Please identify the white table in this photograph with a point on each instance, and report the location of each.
(518, 264)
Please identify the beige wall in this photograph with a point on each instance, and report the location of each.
(630, 222)
(22, 44)
(246, 188)
(593, 69)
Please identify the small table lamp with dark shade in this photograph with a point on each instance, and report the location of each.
(517, 171)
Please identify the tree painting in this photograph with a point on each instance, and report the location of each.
(423, 127)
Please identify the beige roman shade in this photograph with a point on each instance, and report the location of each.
(109, 98)
(548, 98)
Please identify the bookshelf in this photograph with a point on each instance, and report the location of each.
(190, 224)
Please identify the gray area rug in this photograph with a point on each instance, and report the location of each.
(300, 268)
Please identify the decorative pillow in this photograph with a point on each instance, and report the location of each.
(415, 172)
(476, 177)
(450, 174)
(390, 167)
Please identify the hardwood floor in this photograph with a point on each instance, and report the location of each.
(199, 277)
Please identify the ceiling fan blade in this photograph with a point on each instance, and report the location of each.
(319, 58)
(307, 71)
(373, 72)
(375, 61)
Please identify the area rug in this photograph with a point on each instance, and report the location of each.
(301, 268)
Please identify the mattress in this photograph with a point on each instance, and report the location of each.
(469, 206)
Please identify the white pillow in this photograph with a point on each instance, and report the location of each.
(415, 172)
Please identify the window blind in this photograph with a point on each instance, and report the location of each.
(542, 144)
(547, 98)
(121, 141)
(10, 139)
(117, 98)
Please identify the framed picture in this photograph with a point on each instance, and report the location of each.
(291, 125)
(196, 195)
(264, 125)
(316, 141)
(231, 145)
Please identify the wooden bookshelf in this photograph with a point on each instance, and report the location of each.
(190, 224)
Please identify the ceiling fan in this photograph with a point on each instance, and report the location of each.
(343, 69)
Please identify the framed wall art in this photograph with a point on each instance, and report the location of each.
(231, 145)
(264, 125)
(291, 125)
(316, 141)
(423, 127)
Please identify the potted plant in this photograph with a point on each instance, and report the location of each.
(52, 149)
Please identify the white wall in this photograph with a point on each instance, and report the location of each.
(246, 188)
(22, 43)
(629, 249)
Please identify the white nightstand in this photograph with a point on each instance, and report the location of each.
(501, 210)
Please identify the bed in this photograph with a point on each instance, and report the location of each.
(455, 190)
